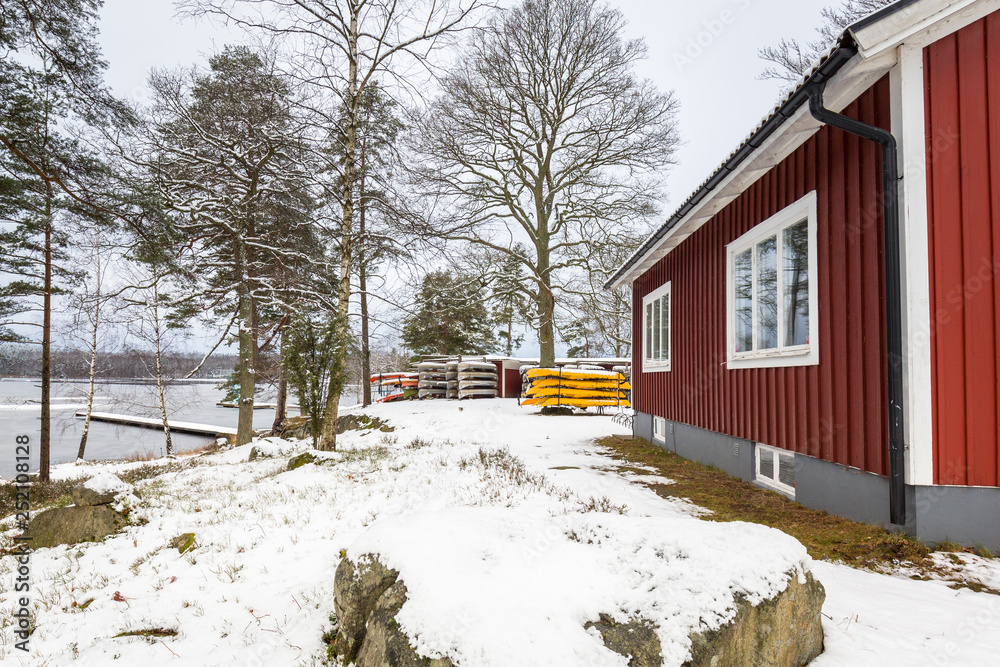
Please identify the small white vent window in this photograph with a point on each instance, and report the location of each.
(776, 468)
(659, 429)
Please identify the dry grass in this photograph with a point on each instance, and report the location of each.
(825, 536)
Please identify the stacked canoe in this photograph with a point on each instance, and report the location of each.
(452, 375)
(433, 381)
(576, 388)
(393, 386)
(477, 379)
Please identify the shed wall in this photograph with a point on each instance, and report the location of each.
(962, 103)
(833, 410)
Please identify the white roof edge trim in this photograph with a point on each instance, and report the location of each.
(891, 31)
(751, 163)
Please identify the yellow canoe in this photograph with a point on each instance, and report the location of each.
(575, 402)
(606, 385)
(568, 392)
(560, 374)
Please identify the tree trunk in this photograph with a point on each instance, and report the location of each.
(158, 349)
(546, 307)
(332, 411)
(92, 371)
(99, 278)
(366, 352)
(281, 409)
(44, 434)
(244, 426)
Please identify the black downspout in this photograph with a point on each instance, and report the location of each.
(893, 290)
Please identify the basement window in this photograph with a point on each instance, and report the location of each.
(659, 429)
(772, 317)
(656, 330)
(776, 468)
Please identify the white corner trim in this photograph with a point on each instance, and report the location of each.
(908, 126)
(807, 355)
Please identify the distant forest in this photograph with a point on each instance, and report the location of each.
(26, 361)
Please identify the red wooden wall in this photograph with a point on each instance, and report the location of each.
(962, 103)
(834, 410)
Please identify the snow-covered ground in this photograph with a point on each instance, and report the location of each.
(258, 587)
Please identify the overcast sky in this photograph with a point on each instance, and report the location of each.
(704, 51)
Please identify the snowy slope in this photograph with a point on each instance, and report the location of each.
(257, 589)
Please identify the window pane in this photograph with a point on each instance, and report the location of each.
(656, 330)
(795, 269)
(743, 284)
(665, 336)
(649, 330)
(767, 294)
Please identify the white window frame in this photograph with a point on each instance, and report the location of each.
(658, 365)
(774, 453)
(659, 429)
(800, 355)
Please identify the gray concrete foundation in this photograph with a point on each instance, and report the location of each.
(969, 516)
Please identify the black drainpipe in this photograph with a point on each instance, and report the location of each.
(893, 290)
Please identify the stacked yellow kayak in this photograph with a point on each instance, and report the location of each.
(576, 388)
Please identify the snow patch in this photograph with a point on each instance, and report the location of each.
(476, 578)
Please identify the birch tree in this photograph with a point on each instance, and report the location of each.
(544, 136)
(343, 46)
(228, 160)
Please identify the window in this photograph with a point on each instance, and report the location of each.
(659, 429)
(776, 468)
(771, 291)
(656, 325)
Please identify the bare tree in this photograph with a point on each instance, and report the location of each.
(92, 305)
(544, 136)
(344, 46)
(150, 326)
(790, 59)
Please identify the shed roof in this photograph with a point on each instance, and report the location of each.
(828, 64)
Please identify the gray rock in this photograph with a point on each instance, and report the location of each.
(84, 497)
(69, 525)
(356, 589)
(785, 631)
(636, 640)
(384, 644)
(300, 460)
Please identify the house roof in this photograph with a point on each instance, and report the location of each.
(826, 67)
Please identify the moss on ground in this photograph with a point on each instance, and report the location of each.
(825, 536)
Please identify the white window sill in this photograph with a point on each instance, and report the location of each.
(776, 359)
(650, 367)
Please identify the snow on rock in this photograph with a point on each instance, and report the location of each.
(107, 483)
(478, 577)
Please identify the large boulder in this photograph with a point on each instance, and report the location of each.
(101, 489)
(785, 631)
(69, 525)
(499, 585)
(356, 590)
(384, 642)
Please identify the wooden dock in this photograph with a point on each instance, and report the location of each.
(150, 422)
(257, 406)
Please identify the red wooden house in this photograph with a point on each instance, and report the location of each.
(822, 316)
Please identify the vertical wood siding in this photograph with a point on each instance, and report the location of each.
(834, 410)
(962, 102)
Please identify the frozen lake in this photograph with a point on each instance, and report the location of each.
(195, 402)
